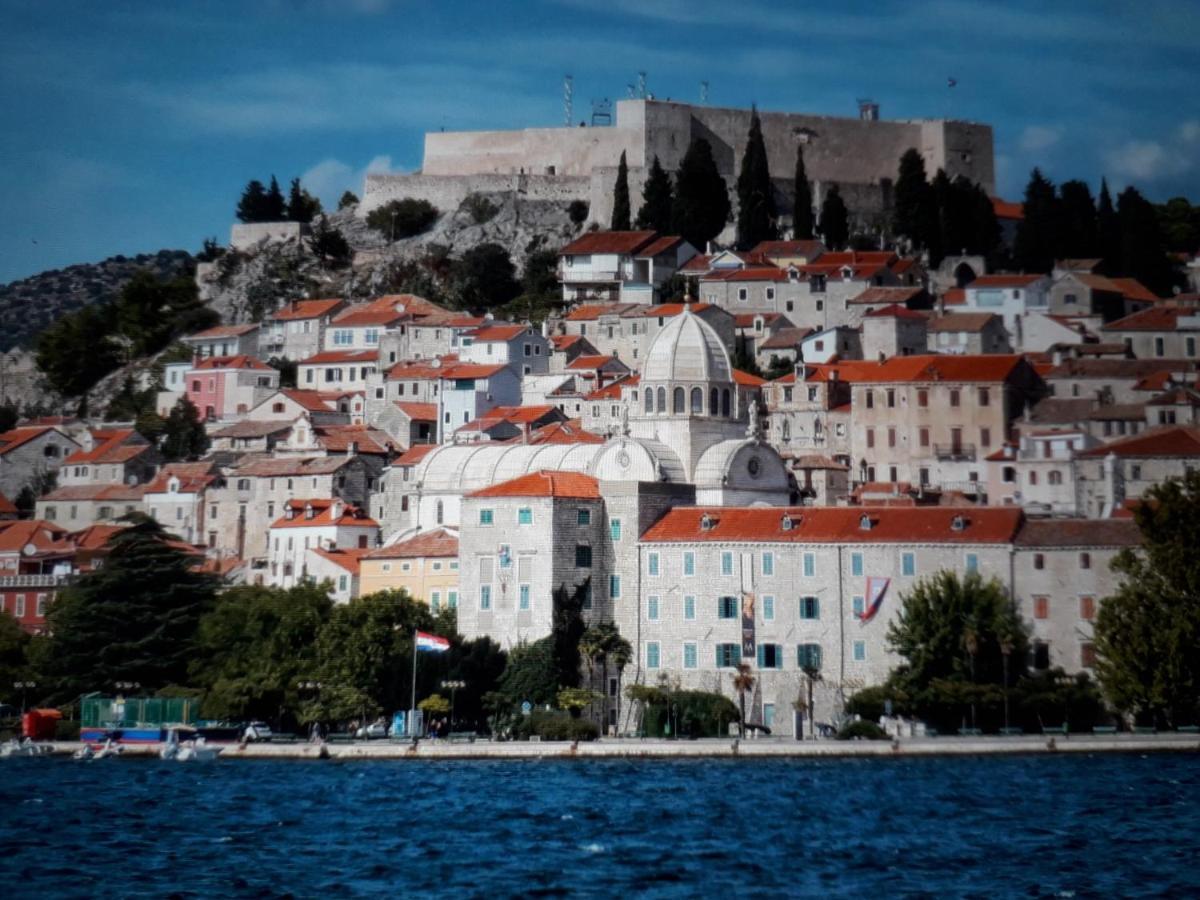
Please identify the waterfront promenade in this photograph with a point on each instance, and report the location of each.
(633, 748)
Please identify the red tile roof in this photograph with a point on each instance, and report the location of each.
(341, 356)
(894, 311)
(1007, 209)
(222, 331)
(15, 536)
(193, 477)
(1168, 440)
(421, 369)
(309, 400)
(307, 309)
(1135, 290)
(785, 339)
(346, 558)
(382, 311)
(338, 438)
(110, 447)
(94, 537)
(594, 362)
(7, 507)
(591, 311)
(964, 321)
(563, 341)
(1154, 318)
(501, 333)
(810, 249)
(438, 543)
(241, 362)
(96, 493)
(660, 246)
(418, 412)
(568, 432)
(16, 437)
(1078, 533)
(954, 297)
(546, 483)
(612, 391)
(666, 310)
(323, 515)
(904, 525)
(745, 379)
(414, 454)
(619, 242)
(750, 273)
(518, 415)
(746, 320)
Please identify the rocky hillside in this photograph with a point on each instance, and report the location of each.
(29, 305)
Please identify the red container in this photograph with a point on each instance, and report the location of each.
(39, 724)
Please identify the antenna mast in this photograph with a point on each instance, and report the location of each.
(568, 98)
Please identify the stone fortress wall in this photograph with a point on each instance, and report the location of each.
(860, 155)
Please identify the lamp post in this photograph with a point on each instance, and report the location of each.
(1006, 649)
(452, 686)
(315, 687)
(24, 686)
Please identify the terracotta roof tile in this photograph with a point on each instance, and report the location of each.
(546, 483)
(900, 295)
(1154, 318)
(618, 242)
(222, 331)
(307, 309)
(965, 321)
(414, 454)
(348, 558)
(1135, 290)
(745, 379)
(1169, 440)
(110, 447)
(665, 310)
(502, 333)
(1078, 533)
(437, 543)
(612, 391)
(340, 356)
(241, 362)
(894, 311)
(382, 311)
(810, 248)
(14, 536)
(659, 247)
(323, 515)
(309, 400)
(1008, 209)
(418, 412)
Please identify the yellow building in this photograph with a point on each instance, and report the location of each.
(425, 565)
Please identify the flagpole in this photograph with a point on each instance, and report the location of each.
(412, 708)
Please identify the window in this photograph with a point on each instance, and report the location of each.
(870, 438)
(1087, 608)
(525, 516)
(985, 437)
(1041, 607)
(891, 398)
(697, 401)
(583, 517)
(1135, 473)
(810, 608)
(1085, 560)
(954, 397)
(485, 596)
(689, 655)
(808, 657)
(1087, 655)
(860, 651)
(923, 398)
(19, 606)
(856, 564)
(727, 607)
(485, 517)
(768, 608)
(770, 656)
(985, 397)
(677, 400)
(614, 587)
(908, 564)
(583, 556)
(891, 433)
(972, 563)
(768, 563)
(523, 593)
(1039, 561)
(726, 563)
(452, 599)
(652, 609)
(859, 606)
(652, 564)
(689, 563)
(1041, 655)
(728, 655)
(870, 396)
(652, 656)
(41, 605)
(810, 565)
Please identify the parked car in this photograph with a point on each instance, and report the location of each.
(257, 731)
(374, 731)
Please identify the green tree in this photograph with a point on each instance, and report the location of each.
(540, 277)
(700, 209)
(1179, 222)
(78, 350)
(348, 199)
(255, 646)
(756, 195)
(129, 403)
(1147, 634)
(14, 662)
(567, 627)
(1143, 250)
(802, 207)
(531, 674)
(577, 212)
(911, 198)
(302, 206)
(133, 619)
(287, 370)
(620, 213)
(151, 312)
(10, 415)
(1080, 237)
(1039, 232)
(484, 277)
(778, 367)
(329, 245)
(1108, 228)
(657, 199)
(744, 360)
(601, 644)
(835, 220)
(274, 206)
(253, 203)
(184, 437)
(402, 218)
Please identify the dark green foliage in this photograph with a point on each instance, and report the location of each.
(211, 251)
(129, 404)
(835, 220)
(287, 370)
(134, 619)
(802, 206)
(151, 312)
(274, 207)
(329, 245)
(621, 210)
(402, 218)
(1080, 236)
(870, 703)
(480, 208)
(756, 196)
(14, 663)
(1108, 228)
(540, 278)
(691, 714)
(484, 277)
(777, 367)
(1143, 249)
(911, 199)
(1179, 221)
(348, 198)
(9, 416)
(700, 209)
(1040, 232)
(1148, 633)
(577, 212)
(150, 425)
(554, 725)
(531, 674)
(862, 731)
(603, 645)
(184, 437)
(657, 199)
(567, 627)
(76, 351)
(26, 501)
(253, 203)
(480, 664)
(744, 360)
(959, 219)
(302, 206)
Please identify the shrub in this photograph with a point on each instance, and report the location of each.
(555, 726)
(402, 218)
(480, 208)
(862, 730)
(578, 211)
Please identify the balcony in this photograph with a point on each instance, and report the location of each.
(35, 581)
(954, 452)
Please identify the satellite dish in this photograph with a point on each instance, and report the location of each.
(29, 550)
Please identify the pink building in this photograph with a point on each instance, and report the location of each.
(227, 387)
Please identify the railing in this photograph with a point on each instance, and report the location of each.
(588, 274)
(955, 452)
(34, 581)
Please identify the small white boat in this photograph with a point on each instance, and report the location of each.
(84, 754)
(22, 747)
(196, 750)
(108, 751)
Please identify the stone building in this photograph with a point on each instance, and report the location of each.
(297, 330)
(30, 453)
(316, 523)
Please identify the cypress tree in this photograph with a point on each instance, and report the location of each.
(657, 197)
(274, 208)
(835, 220)
(1036, 245)
(1143, 250)
(252, 205)
(302, 206)
(184, 436)
(802, 211)
(910, 208)
(620, 214)
(1080, 236)
(1108, 230)
(756, 201)
(701, 206)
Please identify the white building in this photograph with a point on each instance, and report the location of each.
(314, 524)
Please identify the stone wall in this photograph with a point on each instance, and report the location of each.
(447, 192)
(243, 236)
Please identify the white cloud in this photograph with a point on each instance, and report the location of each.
(1147, 160)
(1040, 137)
(1189, 132)
(330, 178)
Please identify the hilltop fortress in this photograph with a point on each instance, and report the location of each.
(861, 155)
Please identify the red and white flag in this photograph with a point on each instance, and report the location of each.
(432, 643)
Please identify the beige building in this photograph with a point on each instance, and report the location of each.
(425, 565)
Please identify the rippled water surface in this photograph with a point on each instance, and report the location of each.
(1027, 826)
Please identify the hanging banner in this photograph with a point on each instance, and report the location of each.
(749, 650)
(876, 590)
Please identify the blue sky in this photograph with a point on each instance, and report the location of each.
(132, 126)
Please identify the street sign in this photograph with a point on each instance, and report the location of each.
(526, 708)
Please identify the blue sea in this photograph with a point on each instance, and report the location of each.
(1036, 826)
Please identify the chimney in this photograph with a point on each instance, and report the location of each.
(352, 449)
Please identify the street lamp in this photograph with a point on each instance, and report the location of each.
(1006, 649)
(23, 686)
(127, 685)
(452, 686)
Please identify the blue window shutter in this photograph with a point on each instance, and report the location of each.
(761, 655)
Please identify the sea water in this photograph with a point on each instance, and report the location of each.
(1121, 825)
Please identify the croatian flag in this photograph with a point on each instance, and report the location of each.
(876, 588)
(432, 643)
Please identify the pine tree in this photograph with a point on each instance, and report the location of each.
(701, 207)
(756, 196)
(1036, 246)
(1108, 228)
(911, 199)
(1143, 250)
(620, 213)
(184, 437)
(802, 208)
(329, 245)
(252, 205)
(302, 206)
(274, 207)
(835, 220)
(1080, 235)
(657, 197)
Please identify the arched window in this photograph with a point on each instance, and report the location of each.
(714, 401)
(787, 430)
(662, 400)
(1055, 476)
(649, 400)
(697, 401)
(679, 401)
(817, 427)
(725, 402)
(439, 512)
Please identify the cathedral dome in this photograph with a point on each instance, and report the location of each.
(687, 349)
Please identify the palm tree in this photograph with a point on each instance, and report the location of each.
(743, 681)
(602, 643)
